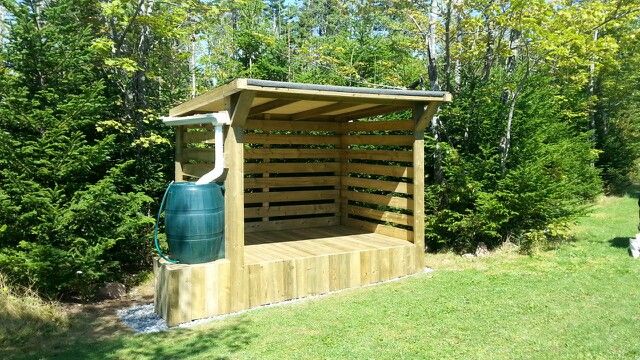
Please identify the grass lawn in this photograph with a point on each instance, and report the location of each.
(581, 300)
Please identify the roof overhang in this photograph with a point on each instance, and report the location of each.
(298, 101)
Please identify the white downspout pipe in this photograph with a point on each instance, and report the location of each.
(218, 120)
(218, 168)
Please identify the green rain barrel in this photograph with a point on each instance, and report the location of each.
(194, 222)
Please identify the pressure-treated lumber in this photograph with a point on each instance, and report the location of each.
(291, 139)
(323, 259)
(291, 224)
(240, 107)
(274, 182)
(423, 114)
(418, 181)
(386, 170)
(254, 212)
(383, 200)
(380, 155)
(178, 170)
(391, 231)
(277, 168)
(310, 207)
(395, 125)
(270, 125)
(391, 186)
(234, 215)
(280, 196)
(385, 216)
(292, 153)
(383, 140)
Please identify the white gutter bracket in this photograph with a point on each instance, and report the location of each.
(218, 120)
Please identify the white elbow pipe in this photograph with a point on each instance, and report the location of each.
(218, 168)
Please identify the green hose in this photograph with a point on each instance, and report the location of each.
(155, 232)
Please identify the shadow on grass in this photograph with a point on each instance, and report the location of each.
(95, 332)
(631, 191)
(214, 343)
(620, 243)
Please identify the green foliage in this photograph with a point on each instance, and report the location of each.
(76, 162)
(544, 112)
(547, 181)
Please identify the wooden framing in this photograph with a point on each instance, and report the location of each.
(317, 199)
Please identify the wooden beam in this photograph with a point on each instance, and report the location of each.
(179, 173)
(234, 215)
(277, 103)
(394, 125)
(322, 110)
(372, 111)
(214, 96)
(270, 125)
(418, 179)
(240, 106)
(423, 114)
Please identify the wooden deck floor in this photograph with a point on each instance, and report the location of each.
(283, 265)
(312, 242)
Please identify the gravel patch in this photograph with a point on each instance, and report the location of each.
(142, 319)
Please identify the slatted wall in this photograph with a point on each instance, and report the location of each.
(292, 174)
(377, 182)
(301, 174)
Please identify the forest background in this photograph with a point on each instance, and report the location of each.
(545, 114)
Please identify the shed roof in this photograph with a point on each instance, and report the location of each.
(298, 101)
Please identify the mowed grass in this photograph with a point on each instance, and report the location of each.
(578, 301)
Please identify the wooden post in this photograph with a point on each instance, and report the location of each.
(343, 203)
(239, 106)
(179, 174)
(419, 117)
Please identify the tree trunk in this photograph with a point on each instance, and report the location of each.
(431, 47)
(505, 143)
(488, 54)
(458, 65)
(510, 97)
(592, 88)
(447, 46)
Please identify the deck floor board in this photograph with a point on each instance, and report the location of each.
(268, 246)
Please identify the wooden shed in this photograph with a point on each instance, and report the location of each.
(318, 196)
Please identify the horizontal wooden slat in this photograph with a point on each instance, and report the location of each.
(282, 196)
(291, 139)
(397, 171)
(198, 154)
(252, 168)
(290, 224)
(393, 186)
(380, 125)
(331, 108)
(290, 210)
(381, 155)
(290, 181)
(384, 200)
(206, 137)
(394, 140)
(386, 216)
(271, 125)
(292, 153)
(381, 229)
(274, 104)
(197, 170)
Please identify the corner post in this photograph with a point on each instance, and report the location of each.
(239, 106)
(421, 118)
(178, 171)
